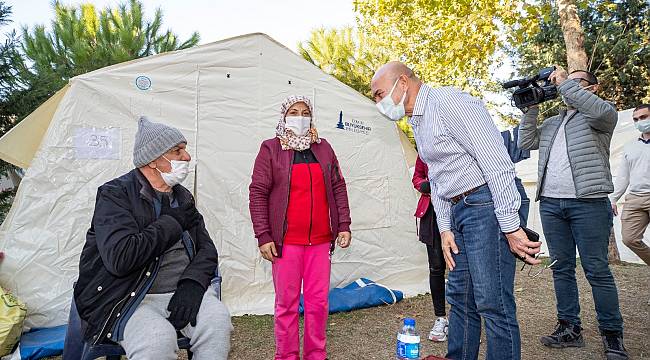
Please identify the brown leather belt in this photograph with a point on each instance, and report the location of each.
(454, 200)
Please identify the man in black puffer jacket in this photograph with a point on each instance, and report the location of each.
(147, 265)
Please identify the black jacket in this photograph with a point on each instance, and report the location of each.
(122, 252)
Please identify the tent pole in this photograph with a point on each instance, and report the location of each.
(196, 134)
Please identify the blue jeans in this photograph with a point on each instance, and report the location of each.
(585, 223)
(481, 285)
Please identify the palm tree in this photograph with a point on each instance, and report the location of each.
(350, 57)
(345, 54)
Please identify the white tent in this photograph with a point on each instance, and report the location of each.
(527, 171)
(225, 98)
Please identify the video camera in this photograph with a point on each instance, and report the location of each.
(530, 91)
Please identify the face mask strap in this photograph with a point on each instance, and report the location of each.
(390, 94)
(404, 96)
(170, 163)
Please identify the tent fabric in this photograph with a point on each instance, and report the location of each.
(409, 151)
(225, 98)
(527, 171)
(360, 294)
(19, 145)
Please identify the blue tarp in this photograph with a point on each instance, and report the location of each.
(360, 294)
(40, 343)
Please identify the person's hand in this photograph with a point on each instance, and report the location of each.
(558, 76)
(524, 248)
(614, 209)
(449, 246)
(344, 239)
(186, 214)
(528, 108)
(185, 303)
(268, 251)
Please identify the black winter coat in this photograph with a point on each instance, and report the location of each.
(122, 253)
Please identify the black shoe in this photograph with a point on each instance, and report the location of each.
(565, 335)
(614, 347)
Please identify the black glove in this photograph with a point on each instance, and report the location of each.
(185, 304)
(425, 187)
(186, 214)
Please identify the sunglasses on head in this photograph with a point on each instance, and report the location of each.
(578, 80)
(532, 273)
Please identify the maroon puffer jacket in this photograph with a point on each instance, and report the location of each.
(269, 191)
(421, 175)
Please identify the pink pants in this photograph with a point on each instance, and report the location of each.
(309, 266)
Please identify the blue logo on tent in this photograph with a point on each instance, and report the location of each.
(353, 125)
(143, 82)
(340, 123)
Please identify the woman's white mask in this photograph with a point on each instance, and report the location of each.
(300, 125)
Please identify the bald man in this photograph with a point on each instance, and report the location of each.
(477, 204)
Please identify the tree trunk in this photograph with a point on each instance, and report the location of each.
(574, 36)
(612, 252)
(574, 39)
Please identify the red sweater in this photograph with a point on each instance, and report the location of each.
(307, 213)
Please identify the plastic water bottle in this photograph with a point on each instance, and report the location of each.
(408, 341)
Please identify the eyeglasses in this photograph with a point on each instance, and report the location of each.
(538, 273)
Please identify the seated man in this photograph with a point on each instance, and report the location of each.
(146, 267)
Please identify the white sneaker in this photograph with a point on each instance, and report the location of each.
(439, 331)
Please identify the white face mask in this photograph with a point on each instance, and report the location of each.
(300, 125)
(389, 109)
(643, 126)
(180, 170)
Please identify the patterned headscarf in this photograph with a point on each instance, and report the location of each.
(288, 139)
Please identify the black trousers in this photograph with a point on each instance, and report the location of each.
(430, 236)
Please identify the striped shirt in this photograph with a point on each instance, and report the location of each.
(458, 140)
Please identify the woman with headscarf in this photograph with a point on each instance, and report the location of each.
(299, 209)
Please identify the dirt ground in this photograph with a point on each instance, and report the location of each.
(370, 333)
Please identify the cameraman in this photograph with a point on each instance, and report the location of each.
(574, 180)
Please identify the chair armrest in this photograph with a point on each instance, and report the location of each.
(216, 282)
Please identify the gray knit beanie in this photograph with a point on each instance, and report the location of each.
(153, 140)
